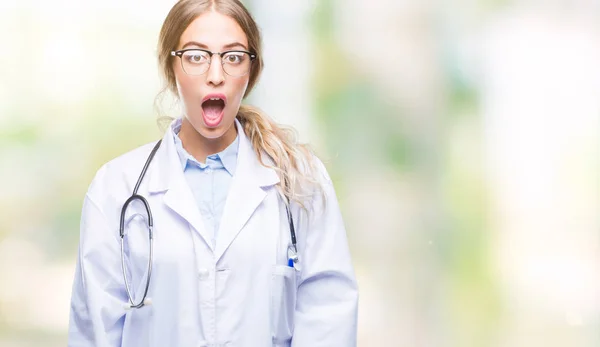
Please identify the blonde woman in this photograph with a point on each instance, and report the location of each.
(226, 232)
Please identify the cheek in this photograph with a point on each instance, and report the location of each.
(240, 86)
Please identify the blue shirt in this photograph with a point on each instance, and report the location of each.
(210, 181)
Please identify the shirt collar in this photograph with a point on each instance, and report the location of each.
(228, 156)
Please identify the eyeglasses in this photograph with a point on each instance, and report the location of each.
(196, 61)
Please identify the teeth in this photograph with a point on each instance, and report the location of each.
(215, 99)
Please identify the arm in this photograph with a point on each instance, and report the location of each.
(327, 297)
(98, 294)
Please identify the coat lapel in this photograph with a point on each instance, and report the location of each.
(168, 176)
(245, 195)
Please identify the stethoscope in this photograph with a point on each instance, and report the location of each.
(292, 249)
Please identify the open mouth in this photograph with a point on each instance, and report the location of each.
(212, 109)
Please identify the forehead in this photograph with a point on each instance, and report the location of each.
(213, 30)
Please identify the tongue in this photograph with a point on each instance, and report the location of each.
(212, 110)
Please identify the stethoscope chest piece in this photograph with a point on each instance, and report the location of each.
(293, 258)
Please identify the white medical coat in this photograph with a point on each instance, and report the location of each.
(237, 293)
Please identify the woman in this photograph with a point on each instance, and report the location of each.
(229, 265)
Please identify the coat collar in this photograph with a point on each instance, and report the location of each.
(166, 167)
(245, 194)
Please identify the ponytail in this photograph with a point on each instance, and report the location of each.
(294, 162)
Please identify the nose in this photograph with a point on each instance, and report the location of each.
(215, 75)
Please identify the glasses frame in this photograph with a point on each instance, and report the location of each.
(179, 53)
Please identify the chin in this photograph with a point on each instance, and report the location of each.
(212, 132)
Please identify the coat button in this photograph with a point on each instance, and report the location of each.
(203, 274)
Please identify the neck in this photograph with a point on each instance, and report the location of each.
(201, 147)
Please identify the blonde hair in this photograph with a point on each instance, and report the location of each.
(276, 146)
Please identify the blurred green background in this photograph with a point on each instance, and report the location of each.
(462, 137)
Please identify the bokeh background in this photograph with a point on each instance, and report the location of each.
(463, 138)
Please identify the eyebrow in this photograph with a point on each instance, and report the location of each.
(201, 45)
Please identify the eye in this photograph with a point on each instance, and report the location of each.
(234, 57)
(196, 57)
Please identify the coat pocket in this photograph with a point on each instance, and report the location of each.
(283, 304)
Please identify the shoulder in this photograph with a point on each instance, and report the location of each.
(317, 185)
(320, 170)
(118, 173)
(319, 206)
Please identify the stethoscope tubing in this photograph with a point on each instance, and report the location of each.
(135, 196)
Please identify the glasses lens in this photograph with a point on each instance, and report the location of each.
(236, 63)
(195, 62)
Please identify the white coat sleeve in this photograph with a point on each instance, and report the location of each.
(98, 294)
(327, 297)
